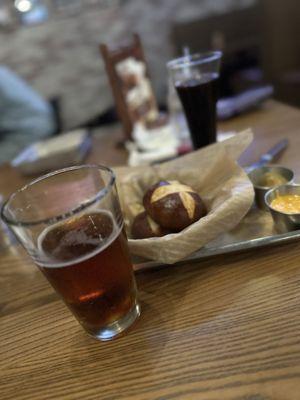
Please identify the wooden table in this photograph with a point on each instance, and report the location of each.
(225, 328)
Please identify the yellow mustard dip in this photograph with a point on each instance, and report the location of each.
(287, 203)
(271, 179)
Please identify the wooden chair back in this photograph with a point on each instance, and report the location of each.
(113, 57)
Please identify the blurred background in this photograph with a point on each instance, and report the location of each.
(54, 46)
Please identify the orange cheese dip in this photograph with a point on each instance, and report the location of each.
(287, 203)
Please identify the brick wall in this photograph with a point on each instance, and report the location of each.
(60, 56)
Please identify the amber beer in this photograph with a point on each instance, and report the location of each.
(71, 224)
(89, 265)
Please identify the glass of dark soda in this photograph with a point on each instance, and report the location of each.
(71, 224)
(196, 80)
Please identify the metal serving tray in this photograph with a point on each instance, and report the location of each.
(256, 230)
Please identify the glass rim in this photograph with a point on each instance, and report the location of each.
(60, 217)
(194, 59)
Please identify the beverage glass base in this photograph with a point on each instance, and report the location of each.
(109, 332)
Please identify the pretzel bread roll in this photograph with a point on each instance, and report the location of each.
(173, 205)
(144, 227)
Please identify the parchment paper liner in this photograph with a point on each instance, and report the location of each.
(214, 173)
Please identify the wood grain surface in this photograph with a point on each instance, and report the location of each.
(223, 329)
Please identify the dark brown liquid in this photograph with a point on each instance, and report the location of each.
(98, 287)
(198, 98)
